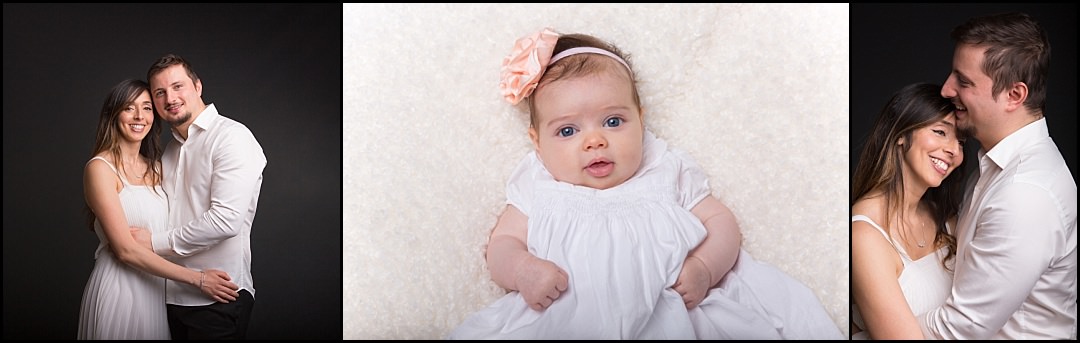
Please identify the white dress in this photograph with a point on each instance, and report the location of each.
(925, 282)
(623, 249)
(120, 301)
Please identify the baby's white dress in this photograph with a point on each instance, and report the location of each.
(623, 249)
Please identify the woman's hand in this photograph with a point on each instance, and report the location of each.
(540, 282)
(693, 282)
(216, 284)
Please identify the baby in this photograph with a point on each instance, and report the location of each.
(609, 233)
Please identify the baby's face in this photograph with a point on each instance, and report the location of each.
(589, 130)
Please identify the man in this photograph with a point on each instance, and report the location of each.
(213, 175)
(1015, 274)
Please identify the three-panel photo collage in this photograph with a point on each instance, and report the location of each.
(562, 171)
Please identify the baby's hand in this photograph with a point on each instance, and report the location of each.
(540, 282)
(693, 282)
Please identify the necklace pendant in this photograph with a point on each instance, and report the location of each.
(921, 244)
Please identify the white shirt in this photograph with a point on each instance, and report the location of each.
(213, 179)
(1015, 272)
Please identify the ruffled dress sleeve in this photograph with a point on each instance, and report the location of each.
(691, 182)
(521, 187)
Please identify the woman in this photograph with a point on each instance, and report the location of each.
(905, 199)
(125, 295)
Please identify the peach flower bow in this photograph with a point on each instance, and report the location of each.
(522, 69)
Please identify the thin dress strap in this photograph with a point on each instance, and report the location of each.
(110, 166)
(861, 218)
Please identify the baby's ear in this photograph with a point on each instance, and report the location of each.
(535, 138)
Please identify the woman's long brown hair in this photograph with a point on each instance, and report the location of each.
(879, 168)
(108, 133)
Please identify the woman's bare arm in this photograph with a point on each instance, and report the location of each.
(875, 268)
(101, 188)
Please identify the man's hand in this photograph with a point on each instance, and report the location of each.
(540, 282)
(693, 282)
(142, 237)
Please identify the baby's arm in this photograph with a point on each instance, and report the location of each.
(512, 267)
(714, 257)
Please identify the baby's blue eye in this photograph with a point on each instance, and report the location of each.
(613, 122)
(566, 131)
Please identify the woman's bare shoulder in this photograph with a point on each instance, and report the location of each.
(872, 207)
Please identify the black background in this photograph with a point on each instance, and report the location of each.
(893, 45)
(275, 68)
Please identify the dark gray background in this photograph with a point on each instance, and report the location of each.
(894, 45)
(275, 68)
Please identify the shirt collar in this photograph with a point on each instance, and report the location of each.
(203, 121)
(1007, 149)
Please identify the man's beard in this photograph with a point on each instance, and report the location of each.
(183, 118)
(966, 126)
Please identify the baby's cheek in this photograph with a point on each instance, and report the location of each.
(636, 155)
(558, 166)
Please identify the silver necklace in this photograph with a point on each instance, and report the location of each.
(135, 164)
(919, 241)
(919, 238)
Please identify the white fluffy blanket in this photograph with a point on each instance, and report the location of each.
(756, 93)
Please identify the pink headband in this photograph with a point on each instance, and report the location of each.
(587, 50)
(526, 63)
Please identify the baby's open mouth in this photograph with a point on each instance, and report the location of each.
(600, 168)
